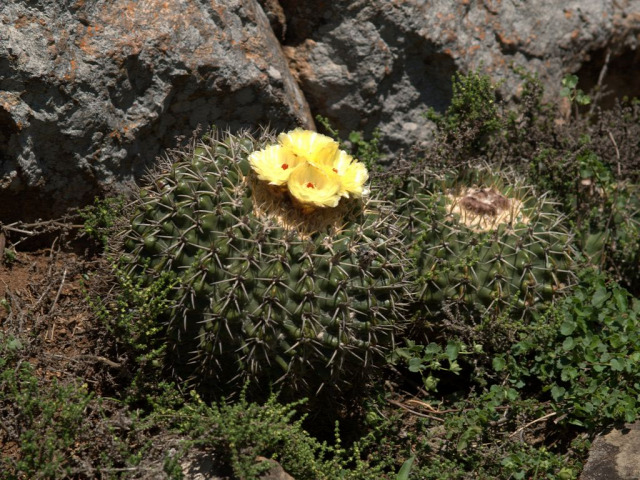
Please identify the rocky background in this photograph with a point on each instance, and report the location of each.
(92, 92)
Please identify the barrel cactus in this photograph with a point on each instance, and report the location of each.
(287, 270)
(485, 248)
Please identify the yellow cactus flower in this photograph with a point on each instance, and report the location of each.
(312, 147)
(310, 185)
(352, 174)
(313, 168)
(274, 164)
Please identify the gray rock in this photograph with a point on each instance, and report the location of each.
(275, 471)
(91, 92)
(367, 63)
(202, 466)
(615, 456)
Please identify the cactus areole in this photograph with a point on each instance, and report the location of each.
(305, 290)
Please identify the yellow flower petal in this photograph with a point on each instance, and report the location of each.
(310, 185)
(312, 147)
(342, 162)
(352, 174)
(354, 179)
(273, 164)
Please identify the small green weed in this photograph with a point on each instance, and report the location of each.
(571, 91)
(473, 115)
(4, 303)
(43, 420)
(367, 151)
(433, 359)
(99, 218)
(10, 256)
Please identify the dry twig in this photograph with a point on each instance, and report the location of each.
(414, 412)
(533, 422)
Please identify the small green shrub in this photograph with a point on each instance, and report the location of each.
(571, 91)
(43, 420)
(587, 358)
(241, 431)
(473, 116)
(100, 218)
(131, 311)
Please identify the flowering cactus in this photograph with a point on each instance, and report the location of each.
(266, 292)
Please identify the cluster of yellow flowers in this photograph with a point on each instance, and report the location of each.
(312, 167)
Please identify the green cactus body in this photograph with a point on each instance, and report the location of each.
(266, 292)
(486, 246)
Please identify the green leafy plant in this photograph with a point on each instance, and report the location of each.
(571, 91)
(405, 470)
(99, 219)
(367, 151)
(588, 359)
(433, 359)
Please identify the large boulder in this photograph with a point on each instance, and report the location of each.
(92, 91)
(381, 63)
(615, 455)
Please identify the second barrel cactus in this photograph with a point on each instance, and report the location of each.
(485, 247)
